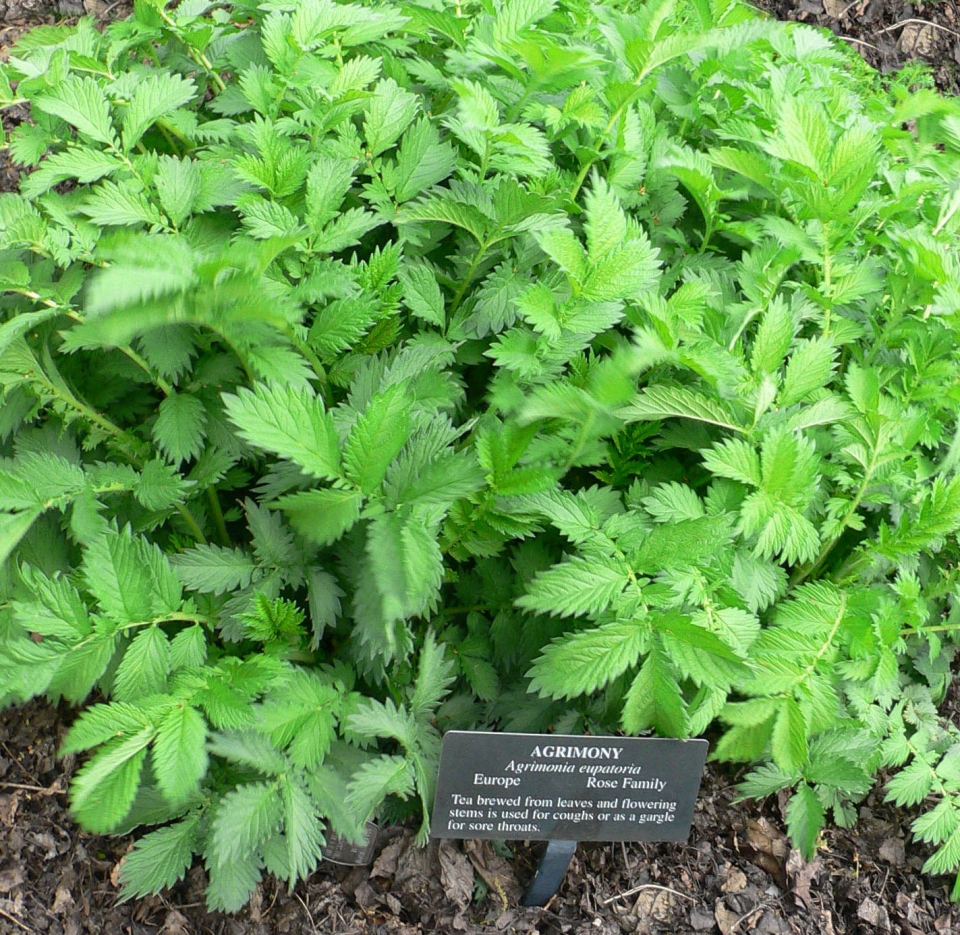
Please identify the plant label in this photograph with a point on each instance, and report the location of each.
(341, 851)
(544, 787)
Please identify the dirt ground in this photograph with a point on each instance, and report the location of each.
(735, 875)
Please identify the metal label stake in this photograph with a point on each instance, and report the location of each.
(550, 872)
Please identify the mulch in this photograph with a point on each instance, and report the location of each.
(735, 875)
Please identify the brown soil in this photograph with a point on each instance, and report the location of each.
(735, 875)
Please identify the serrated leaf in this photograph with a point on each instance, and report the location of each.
(157, 95)
(789, 743)
(302, 831)
(573, 588)
(102, 722)
(229, 885)
(375, 780)
(328, 182)
(13, 527)
(654, 699)
(581, 663)
(434, 677)
(82, 103)
(810, 367)
(804, 820)
(322, 516)
(213, 569)
(606, 225)
(289, 422)
(159, 859)
(144, 667)
(381, 431)
(302, 718)
(180, 428)
(422, 160)
(160, 486)
(421, 294)
(911, 785)
(180, 754)
(407, 564)
(103, 791)
(110, 204)
(389, 113)
(188, 648)
(667, 402)
(246, 816)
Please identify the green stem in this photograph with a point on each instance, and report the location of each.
(307, 352)
(919, 631)
(199, 57)
(217, 514)
(461, 292)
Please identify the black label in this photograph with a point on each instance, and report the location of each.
(544, 787)
(340, 851)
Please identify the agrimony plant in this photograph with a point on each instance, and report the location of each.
(369, 370)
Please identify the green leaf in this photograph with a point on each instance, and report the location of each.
(180, 754)
(82, 103)
(736, 460)
(580, 663)
(810, 367)
(230, 884)
(179, 183)
(103, 791)
(407, 564)
(84, 165)
(322, 516)
(789, 744)
(188, 648)
(103, 722)
(606, 225)
(667, 402)
(157, 95)
(289, 422)
(302, 830)
(302, 718)
(946, 858)
(327, 184)
(213, 569)
(115, 205)
(144, 667)
(804, 820)
(375, 780)
(911, 785)
(180, 428)
(573, 588)
(13, 527)
(245, 817)
(422, 161)
(114, 575)
(937, 825)
(389, 113)
(421, 294)
(159, 859)
(434, 678)
(381, 431)
(774, 337)
(654, 699)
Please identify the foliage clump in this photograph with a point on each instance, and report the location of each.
(373, 369)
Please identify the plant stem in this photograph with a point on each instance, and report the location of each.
(468, 278)
(217, 514)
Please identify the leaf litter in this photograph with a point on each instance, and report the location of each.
(735, 875)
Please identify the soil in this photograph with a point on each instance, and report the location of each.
(735, 875)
